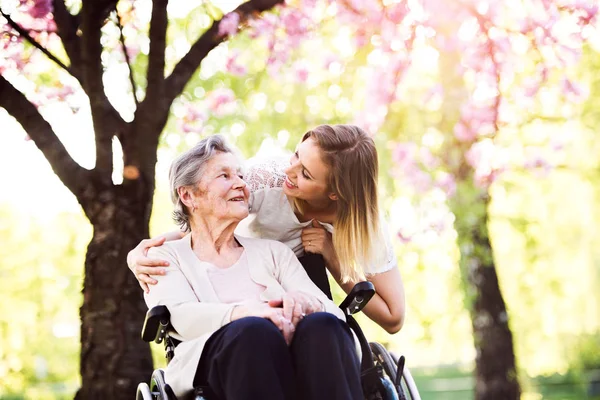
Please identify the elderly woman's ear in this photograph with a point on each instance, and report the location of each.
(186, 196)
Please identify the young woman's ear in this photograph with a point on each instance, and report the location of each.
(333, 196)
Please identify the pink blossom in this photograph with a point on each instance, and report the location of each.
(361, 37)
(404, 154)
(396, 12)
(233, 67)
(294, 21)
(572, 90)
(404, 238)
(428, 160)
(229, 24)
(536, 161)
(219, 101)
(40, 8)
(464, 133)
(193, 119)
(301, 72)
(447, 183)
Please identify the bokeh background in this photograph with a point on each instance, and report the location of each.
(506, 91)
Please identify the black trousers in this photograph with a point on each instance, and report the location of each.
(248, 359)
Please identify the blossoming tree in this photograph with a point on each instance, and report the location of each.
(485, 60)
(51, 52)
(491, 69)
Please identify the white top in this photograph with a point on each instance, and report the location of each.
(272, 216)
(233, 284)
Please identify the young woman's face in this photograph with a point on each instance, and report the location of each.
(222, 191)
(307, 174)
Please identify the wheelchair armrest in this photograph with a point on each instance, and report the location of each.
(156, 324)
(358, 297)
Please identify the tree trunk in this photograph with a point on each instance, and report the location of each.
(495, 372)
(114, 359)
(495, 369)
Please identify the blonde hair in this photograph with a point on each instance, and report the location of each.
(351, 156)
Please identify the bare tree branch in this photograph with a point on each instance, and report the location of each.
(24, 34)
(93, 16)
(127, 60)
(74, 177)
(156, 56)
(210, 39)
(67, 25)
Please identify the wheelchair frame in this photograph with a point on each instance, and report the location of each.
(383, 375)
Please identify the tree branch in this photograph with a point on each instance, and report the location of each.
(93, 15)
(67, 25)
(127, 60)
(156, 56)
(153, 112)
(210, 39)
(24, 34)
(72, 175)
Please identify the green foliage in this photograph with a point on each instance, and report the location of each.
(40, 282)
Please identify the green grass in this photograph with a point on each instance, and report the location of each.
(455, 383)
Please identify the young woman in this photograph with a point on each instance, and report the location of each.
(323, 202)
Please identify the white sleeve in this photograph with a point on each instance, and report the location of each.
(263, 174)
(190, 318)
(387, 262)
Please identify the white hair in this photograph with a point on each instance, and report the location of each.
(187, 170)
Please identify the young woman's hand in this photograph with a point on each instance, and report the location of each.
(264, 310)
(296, 305)
(142, 266)
(317, 239)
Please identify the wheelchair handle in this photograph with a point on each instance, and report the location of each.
(358, 298)
(156, 324)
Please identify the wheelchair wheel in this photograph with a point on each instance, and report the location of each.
(408, 383)
(158, 384)
(382, 357)
(143, 392)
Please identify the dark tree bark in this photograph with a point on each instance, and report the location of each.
(495, 366)
(113, 357)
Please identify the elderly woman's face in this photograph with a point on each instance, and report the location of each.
(223, 193)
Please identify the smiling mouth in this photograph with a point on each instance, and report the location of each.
(289, 183)
(237, 199)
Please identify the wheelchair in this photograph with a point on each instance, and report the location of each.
(384, 376)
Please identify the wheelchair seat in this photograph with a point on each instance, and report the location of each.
(383, 375)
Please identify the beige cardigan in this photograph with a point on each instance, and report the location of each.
(196, 311)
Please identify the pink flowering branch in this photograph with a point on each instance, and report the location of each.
(210, 39)
(25, 35)
(491, 51)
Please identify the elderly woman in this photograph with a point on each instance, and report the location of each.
(251, 322)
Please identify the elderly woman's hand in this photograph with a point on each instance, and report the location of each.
(142, 266)
(264, 310)
(296, 305)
